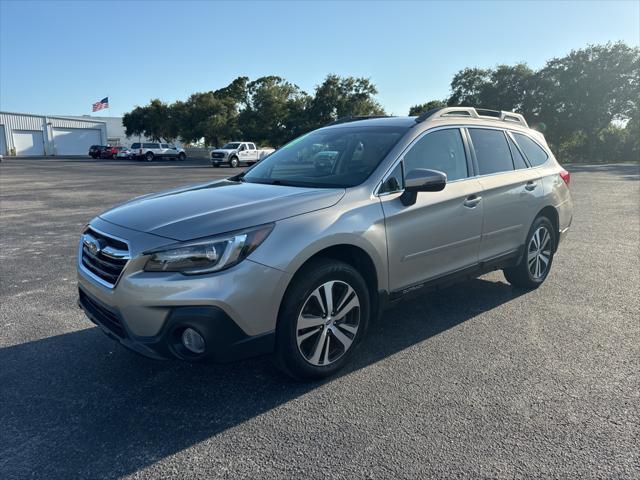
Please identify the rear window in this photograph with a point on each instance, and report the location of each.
(492, 151)
(535, 154)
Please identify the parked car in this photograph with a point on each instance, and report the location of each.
(95, 151)
(296, 260)
(236, 153)
(109, 152)
(150, 151)
(123, 152)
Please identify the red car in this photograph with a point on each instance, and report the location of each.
(109, 152)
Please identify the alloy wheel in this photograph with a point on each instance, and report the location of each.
(328, 323)
(539, 253)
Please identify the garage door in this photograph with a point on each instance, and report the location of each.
(75, 141)
(3, 141)
(28, 142)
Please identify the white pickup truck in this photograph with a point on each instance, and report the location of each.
(235, 153)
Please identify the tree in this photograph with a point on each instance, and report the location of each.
(425, 107)
(272, 104)
(468, 88)
(588, 89)
(154, 121)
(339, 97)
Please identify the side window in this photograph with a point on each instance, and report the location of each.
(441, 150)
(492, 150)
(394, 182)
(165, 145)
(535, 154)
(518, 160)
(135, 145)
(252, 146)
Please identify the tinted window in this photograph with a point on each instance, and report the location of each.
(442, 150)
(518, 159)
(151, 145)
(252, 146)
(135, 145)
(165, 145)
(395, 180)
(492, 151)
(535, 154)
(342, 156)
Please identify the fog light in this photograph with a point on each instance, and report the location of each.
(193, 341)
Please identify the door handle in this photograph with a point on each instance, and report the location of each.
(472, 201)
(530, 186)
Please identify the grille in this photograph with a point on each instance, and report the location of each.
(104, 256)
(102, 315)
(217, 155)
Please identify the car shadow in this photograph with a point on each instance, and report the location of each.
(78, 405)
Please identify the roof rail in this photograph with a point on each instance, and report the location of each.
(355, 118)
(470, 112)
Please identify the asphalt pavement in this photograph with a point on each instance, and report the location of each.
(476, 381)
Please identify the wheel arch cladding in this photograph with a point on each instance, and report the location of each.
(552, 214)
(352, 255)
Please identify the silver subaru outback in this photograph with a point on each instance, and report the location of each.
(296, 255)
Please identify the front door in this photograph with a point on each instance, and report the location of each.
(440, 233)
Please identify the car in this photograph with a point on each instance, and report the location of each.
(123, 152)
(234, 154)
(150, 151)
(109, 152)
(95, 151)
(298, 254)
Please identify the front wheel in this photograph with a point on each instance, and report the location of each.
(324, 316)
(149, 157)
(181, 156)
(234, 162)
(536, 261)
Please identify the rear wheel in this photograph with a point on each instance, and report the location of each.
(149, 156)
(182, 156)
(114, 156)
(234, 162)
(536, 261)
(323, 317)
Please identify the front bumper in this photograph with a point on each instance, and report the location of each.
(235, 310)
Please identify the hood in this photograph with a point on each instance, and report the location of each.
(224, 150)
(218, 207)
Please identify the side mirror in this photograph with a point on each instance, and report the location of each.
(422, 180)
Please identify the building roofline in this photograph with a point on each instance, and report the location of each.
(61, 117)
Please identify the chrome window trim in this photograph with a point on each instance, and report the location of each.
(92, 275)
(473, 175)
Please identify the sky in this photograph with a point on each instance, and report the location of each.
(58, 58)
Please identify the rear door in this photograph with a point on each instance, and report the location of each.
(253, 153)
(512, 191)
(243, 153)
(441, 232)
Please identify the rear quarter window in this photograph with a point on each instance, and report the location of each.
(534, 152)
(135, 145)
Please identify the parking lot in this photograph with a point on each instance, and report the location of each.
(476, 381)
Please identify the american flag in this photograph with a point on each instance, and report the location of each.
(104, 103)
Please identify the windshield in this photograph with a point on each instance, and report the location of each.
(231, 146)
(335, 157)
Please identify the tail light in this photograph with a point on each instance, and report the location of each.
(566, 176)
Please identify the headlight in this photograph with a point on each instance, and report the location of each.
(207, 255)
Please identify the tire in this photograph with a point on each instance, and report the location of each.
(149, 156)
(181, 156)
(532, 271)
(323, 347)
(233, 163)
(114, 157)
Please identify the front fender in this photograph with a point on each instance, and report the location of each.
(295, 240)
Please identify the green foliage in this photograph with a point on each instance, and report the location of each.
(576, 100)
(587, 103)
(269, 111)
(425, 107)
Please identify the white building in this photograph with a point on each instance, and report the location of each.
(25, 134)
(38, 135)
